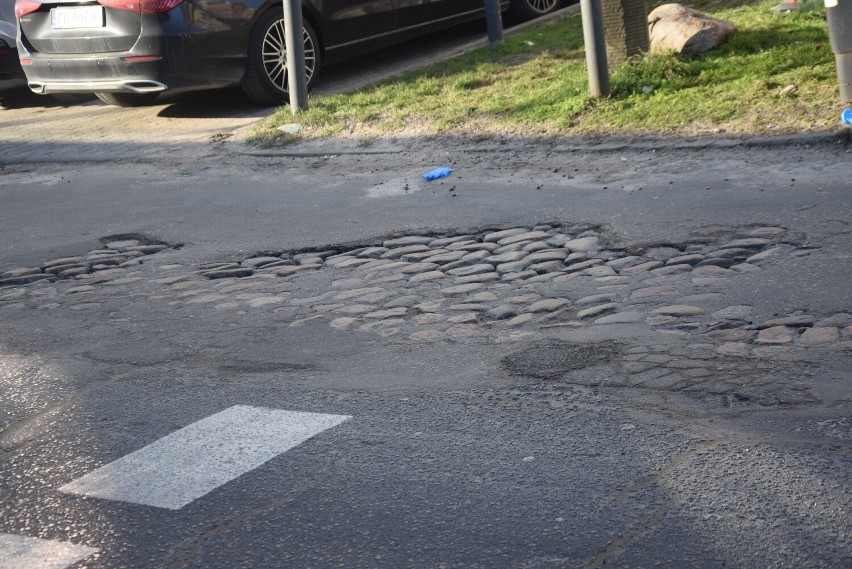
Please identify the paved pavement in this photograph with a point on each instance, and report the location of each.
(551, 358)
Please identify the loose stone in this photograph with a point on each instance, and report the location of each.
(596, 310)
(629, 317)
(462, 289)
(122, 244)
(815, 336)
(776, 335)
(310, 260)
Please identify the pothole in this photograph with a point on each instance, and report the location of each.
(553, 360)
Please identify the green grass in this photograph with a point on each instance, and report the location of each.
(536, 85)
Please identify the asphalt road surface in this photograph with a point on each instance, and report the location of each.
(561, 355)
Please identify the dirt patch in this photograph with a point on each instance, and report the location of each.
(552, 360)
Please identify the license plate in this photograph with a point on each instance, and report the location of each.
(70, 17)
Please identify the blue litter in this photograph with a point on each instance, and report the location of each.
(437, 173)
(846, 116)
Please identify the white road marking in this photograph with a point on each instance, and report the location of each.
(18, 551)
(190, 462)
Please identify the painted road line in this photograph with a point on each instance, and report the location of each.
(189, 463)
(18, 551)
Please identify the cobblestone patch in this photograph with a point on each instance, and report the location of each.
(492, 286)
(117, 251)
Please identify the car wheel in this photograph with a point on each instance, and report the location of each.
(529, 9)
(127, 99)
(73, 98)
(265, 81)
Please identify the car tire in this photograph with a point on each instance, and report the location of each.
(529, 9)
(127, 99)
(265, 80)
(73, 98)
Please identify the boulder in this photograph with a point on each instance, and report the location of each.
(684, 30)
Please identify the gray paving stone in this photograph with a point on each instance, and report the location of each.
(56, 263)
(582, 244)
(764, 255)
(520, 319)
(510, 277)
(641, 267)
(600, 271)
(448, 257)
(387, 313)
(776, 335)
(821, 335)
(122, 244)
(541, 278)
(536, 246)
(372, 252)
(465, 318)
(74, 272)
(478, 278)
(595, 299)
(384, 267)
(293, 270)
(475, 247)
(356, 309)
(547, 255)
(661, 320)
(841, 319)
(672, 270)
(403, 301)
(628, 317)
(746, 268)
(228, 273)
(712, 271)
(749, 243)
(398, 252)
(558, 240)
(485, 296)
(624, 262)
(459, 290)
(597, 310)
(528, 236)
(739, 312)
(512, 267)
(503, 312)
(414, 268)
(497, 235)
(582, 265)
(662, 253)
(469, 307)
(654, 292)
(717, 262)
(444, 241)
(407, 241)
(509, 257)
(471, 270)
(547, 305)
(802, 320)
(690, 259)
(610, 280)
(547, 267)
(512, 247)
(427, 276)
(678, 310)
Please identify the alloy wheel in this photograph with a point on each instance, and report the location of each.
(275, 55)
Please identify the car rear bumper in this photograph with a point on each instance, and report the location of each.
(109, 73)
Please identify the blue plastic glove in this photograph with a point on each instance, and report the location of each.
(846, 116)
(442, 172)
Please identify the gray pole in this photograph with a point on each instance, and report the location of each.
(494, 23)
(294, 44)
(593, 35)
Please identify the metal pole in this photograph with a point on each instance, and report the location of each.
(593, 35)
(494, 23)
(294, 44)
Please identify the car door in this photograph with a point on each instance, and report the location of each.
(412, 14)
(346, 22)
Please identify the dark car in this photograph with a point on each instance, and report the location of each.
(11, 74)
(129, 51)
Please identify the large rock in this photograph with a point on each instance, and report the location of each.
(684, 30)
